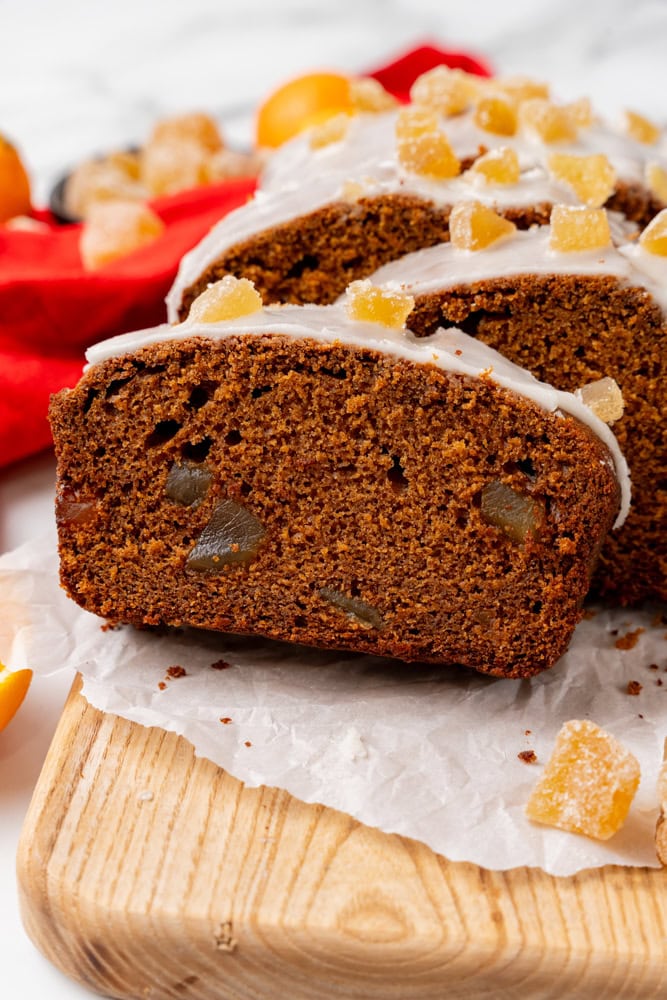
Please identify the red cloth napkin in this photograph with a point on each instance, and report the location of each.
(51, 309)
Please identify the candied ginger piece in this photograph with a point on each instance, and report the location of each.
(367, 94)
(370, 303)
(102, 180)
(447, 91)
(474, 226)
(228, 298)
(498, 166)
(592, 178)
(116, 228)
(174, 165)
(413, 122)
(582, 112)
(195, 127)
(641, 129)
(574, 228)
(496, 113)
(428, 154)
(546, 121)
(656, 178)
(588, 783)
(517, 514)
(654, 237)
(331, 130)
(523, 88)
(604, 398)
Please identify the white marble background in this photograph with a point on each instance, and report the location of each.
(83, 76)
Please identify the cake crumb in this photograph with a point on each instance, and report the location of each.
(220, 665)
(528, 732)
(653, 666)
(589, 614)
(527, 756)
(247, 743)
(176, 671)
(629, 640)
(225, 720)
(162, 685)
(633, 688)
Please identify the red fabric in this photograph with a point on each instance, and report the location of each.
(51, 309)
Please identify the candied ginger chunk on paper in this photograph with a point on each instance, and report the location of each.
(592, 178)
(588, 783)
(577, 228)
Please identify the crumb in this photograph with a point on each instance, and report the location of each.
(220, 665)
(640, 716)
(247, 743)
(458, 353)
(634, 687)
(162, 685)
(110, 627)
(589, 613)
(225, 720)
(528, 732)
(614, 631)
(629, 640)
(653, 666)
(658, 620)
(659, 682)
(528, 756)
(176, 672)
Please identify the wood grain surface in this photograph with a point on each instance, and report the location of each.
(145, 872)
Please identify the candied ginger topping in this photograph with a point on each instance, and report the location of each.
(641, 129)
(604, 398)
(228, 298)
(368, 95)
(194, 127)
(474, 226)
(447, 91)
(522, 88)
(422, 147)
(588, 783)
(370, 303)
(656, 178)
(546, 121)
(496, 113)
(574, 228)
(498, 166)
(592, 178)
(581, 112)
(654, 237)
(116, 228)
(330, 130)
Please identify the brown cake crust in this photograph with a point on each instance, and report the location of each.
(367, 476)
(314, 257)
(570, 330)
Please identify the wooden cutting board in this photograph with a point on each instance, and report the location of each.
(147, 873)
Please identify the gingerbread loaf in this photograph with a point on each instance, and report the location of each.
(303, 475)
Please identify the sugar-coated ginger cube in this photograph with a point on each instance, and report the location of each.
(546, 121)
(588, 783)
(581, 111)
(522, 88)
(654, 237)
(447, 91)
(496, 113)
(641, 129)
(574, 228)
(604, 398)
(195, 127)
(174, 165)
(330, 130)
(592, 178)
(422, 147)
(116, 228)
(656, 178)
(368, 95)
(115, 177)
(370, 303)
(226, 299)
(498, 166)
(474, 226)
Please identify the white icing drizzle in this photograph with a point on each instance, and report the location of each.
(528, 252)
(300, 180)
(451, 350)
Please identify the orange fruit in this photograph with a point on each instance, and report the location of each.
(307, 100)
(13, 688)
(14, 183)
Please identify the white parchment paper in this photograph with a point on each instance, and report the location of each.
(426, 752)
